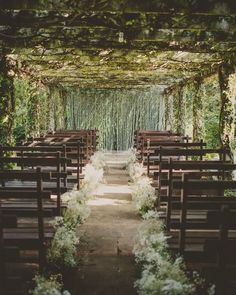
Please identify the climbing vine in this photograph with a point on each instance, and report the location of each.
(226, 124)
(32, 112)
(7, 100)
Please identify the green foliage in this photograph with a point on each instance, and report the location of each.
(7, 102)
(116, 113)
(31, 112)
(211, 111)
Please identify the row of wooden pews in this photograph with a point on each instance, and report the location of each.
(33, 176)
(197, 201)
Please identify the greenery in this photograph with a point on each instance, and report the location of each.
(161, 273)
(48, 286)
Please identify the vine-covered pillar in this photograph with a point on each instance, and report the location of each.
(169, 110)
(179, 110)
(7, 101)
(227, 112)
(57, 108)
(64, 108)
(197, 110)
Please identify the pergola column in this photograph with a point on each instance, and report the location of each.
(197, 111)
(7, 101)
(227, 113)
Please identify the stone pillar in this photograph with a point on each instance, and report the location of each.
(227, 113)
(197, 111)
(179, 114)
(7, 101)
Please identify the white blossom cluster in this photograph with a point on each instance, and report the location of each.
(133, 167)
(143, 193)
(63, 250)
(65, 241)
(98, 160)
(48, 286)
(160, 275)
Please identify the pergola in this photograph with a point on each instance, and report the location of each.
(119, 44)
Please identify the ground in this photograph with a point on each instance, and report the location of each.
(108, 265)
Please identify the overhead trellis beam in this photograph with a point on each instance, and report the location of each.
(119, 30)
(168, 67)
(181, 40)
(118, 20)
(122, 5)
(117, 56)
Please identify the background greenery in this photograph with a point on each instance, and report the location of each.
(116, 113)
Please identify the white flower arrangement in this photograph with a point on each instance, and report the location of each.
(143, 195)
(161, 275)
(135, 171)
(77, 211)
(150, 244)
(48, 286)
(63, 250)
(98, 160)
(168, 278)
(65, 241)
(92, 178)
(132, 156)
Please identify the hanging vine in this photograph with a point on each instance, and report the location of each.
(197, 110)
(178, 104)
(7, 100)
(32, 112)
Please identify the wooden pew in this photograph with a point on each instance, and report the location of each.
(32, 236)
(144, 139)
(207, 242)
(47, 164)
(72, 153)
(195, 170)
(163, 154)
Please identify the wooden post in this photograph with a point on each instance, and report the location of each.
(170, 192)
(64, 166)
(183, 215)
(221, 259)
(159, 176)
(79, 165)
(58, 183)
(2, 262)
(42, 254)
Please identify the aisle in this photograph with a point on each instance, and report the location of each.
(108, 265)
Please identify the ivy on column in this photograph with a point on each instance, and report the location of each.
(7, 100)
(227, 112)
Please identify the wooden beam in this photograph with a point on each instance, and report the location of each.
(157, 31)
(123, 5)
(181, 40)
(117, 20)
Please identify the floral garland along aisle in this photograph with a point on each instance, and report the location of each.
(64, 245)
(161, 274)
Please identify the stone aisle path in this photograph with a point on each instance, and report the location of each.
(108, 265)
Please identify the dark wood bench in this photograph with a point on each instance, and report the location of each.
(206, 241)
(56, 184)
